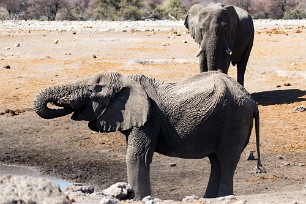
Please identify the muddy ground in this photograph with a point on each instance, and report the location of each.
(276, 77)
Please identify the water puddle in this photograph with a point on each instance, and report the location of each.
(28, 171)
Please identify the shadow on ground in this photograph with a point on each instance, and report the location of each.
(267, 98)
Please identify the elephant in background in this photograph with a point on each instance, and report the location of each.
(208, 115)
(225, 34)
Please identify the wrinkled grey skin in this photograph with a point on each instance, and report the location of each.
(225, 34)
(208, 115)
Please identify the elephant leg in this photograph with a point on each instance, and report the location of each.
(241, 65)
(139, 177)
(203, 62)
(215, 176)
(140, 148)
(228, 167)
(240, 73)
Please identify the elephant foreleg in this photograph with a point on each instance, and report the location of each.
(203, 62)
(139, 177)
(241, 65)
(215, 176)
(140, 148)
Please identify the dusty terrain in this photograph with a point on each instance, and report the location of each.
(276, 77)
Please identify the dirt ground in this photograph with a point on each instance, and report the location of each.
(276, 77)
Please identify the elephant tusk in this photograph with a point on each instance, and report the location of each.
(229, 51)
(198, 52)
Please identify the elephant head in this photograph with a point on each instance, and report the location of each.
(109, 101)
(214, 28)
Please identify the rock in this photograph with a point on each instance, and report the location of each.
(26, 189)
(17, 45)
(241, 202)
(120, 190)
(191, 198)
(7, 66)
(55, 41)
(286, 163)
(227, 199)
(301, 164)
(94, 56)
(79, 187)
(279, 157)
(148, 200)
(184, 41)
(287, 84)
(172, 164)
(250, 155)
(109, 200)
(299, 108)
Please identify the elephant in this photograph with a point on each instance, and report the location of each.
(224, 33)
(208, 115)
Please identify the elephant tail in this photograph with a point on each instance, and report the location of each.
(259, 166)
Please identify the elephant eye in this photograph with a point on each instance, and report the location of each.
(98, 88)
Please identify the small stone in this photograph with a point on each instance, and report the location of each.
(7, 48)
(277, 86)
(68, 53)
(184, 41)
(191, 198)
(287, 84)
(74, 32)
(300, 108)
(7, 110)
(7, 66)
(286, 163)
(120, 190)
(55, 41)
(227, 198)
(148, 200)
(172, 164)
(241, 202)
(301, 164)
(279, 157)
(109, 200)
(262, 72)
(17, 45)
(250, 155)
(94, 56)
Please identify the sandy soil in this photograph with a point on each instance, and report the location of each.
(276, 77)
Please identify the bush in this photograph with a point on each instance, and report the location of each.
(297, 13)
(172, 9)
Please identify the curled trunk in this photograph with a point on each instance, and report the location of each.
(51, 95)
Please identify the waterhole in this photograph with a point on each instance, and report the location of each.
(28, 171)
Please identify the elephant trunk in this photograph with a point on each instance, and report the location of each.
(217, 53)
(51, 95)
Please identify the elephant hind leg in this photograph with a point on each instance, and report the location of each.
(215, 176)
(228, 167)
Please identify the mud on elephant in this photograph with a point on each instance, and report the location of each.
(225, 34)
(208, 115)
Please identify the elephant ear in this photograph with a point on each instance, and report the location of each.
(129, 107)
(233, 20)
(192, 22)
